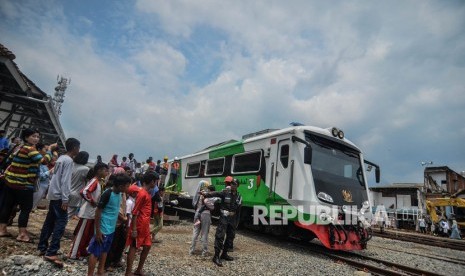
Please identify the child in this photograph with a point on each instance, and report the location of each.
(139, 231)
(78, 182)
(85, 228)
(158, 214)
(119, 239)
(130, 201)
(106, 216)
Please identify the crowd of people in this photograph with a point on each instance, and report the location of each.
(443, 228)
(423, 224)
(114, 203)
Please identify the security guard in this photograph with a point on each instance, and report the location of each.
(231, 202)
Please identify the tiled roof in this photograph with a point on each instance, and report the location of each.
(4, 52)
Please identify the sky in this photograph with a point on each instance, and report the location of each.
(172, 77)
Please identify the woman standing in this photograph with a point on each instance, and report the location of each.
(113, 163)
(455, 234)
(21, 177)
(203, 206)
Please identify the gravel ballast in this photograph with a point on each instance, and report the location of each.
(255, 254)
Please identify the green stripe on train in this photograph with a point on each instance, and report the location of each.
(228, 149)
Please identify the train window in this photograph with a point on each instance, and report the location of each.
(284, 155)
(348, 171)
(193, 169)
(247, 162)
(202, 168)
(215, 167)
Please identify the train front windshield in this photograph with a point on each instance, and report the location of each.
(337, 170)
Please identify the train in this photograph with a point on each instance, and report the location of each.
(301, 181)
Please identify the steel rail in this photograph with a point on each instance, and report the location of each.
(389, 269)
(422, 240)
(449, 259)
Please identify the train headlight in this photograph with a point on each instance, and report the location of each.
(337, 133)
(334, 131)
(325, 197)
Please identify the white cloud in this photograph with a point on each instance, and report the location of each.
(161, 66)
(86, 21)
(181, 75)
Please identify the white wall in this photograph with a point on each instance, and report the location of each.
(438, 177)
(404, 201)
(377, 199)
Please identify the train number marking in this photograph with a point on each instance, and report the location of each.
(250, 184)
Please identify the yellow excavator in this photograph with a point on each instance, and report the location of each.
(458, 205)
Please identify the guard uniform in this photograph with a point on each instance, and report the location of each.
(229, 207)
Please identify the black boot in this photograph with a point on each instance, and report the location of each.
(216, 259)
(226, 257)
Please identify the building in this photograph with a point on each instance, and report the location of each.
(442, 185)
(442, 182)
(403, 203)
(24, 105)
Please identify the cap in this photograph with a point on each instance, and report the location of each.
(228, 179)
(165, 158)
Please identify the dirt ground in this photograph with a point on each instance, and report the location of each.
(9, 246)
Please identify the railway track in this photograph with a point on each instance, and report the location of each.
(448, 259)
(451, 244)
(369, 264)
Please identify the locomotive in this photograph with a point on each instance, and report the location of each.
(301, 181)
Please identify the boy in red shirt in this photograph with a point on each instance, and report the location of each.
(139, 230)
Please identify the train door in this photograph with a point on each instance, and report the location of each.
(283, 170)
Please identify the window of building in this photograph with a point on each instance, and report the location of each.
(215, 167)
(193, 169)
(247, 162)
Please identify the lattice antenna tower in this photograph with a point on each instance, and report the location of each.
(60, 89)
